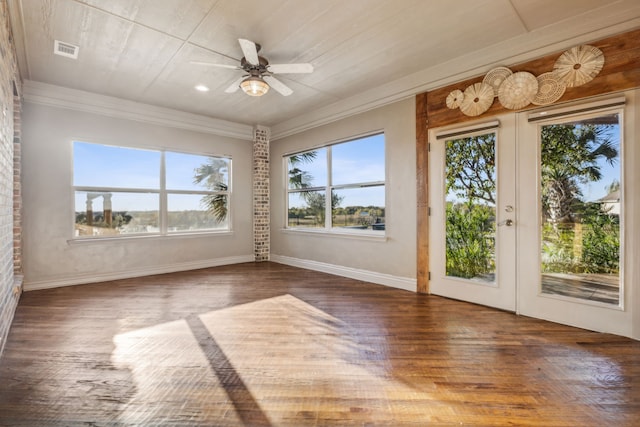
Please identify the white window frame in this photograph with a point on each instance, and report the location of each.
(329, 187)
(161, 191)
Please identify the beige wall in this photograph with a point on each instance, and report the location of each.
(391, 261)
(51, 259)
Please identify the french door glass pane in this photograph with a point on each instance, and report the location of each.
(581, 205)
(471, 207)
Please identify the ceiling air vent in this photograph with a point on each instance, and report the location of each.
(65, 49)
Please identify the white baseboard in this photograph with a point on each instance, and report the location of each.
(128, 274)
(405, 283)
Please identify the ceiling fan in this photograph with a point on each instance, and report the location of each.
(260, 73)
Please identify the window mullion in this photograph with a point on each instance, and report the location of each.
(328, 191)
(163, 195)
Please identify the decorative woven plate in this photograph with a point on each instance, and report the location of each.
(550, 89)
(477, 99)
(579, 65)
(454, 99)
(495, 77)
(518, 90)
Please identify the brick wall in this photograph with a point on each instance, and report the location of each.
(17, 186)
(261, 227)
(10, 285)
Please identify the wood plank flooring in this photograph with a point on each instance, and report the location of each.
(270, 345)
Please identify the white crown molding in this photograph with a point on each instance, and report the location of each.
(404, 283)
(149, 271)
(510, 52)
(62, 97)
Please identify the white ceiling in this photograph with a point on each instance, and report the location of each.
(364, 51)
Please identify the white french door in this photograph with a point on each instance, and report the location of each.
(536, 212)
(473, 208)
(574, 217)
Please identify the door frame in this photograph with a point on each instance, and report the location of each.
(532, 302)
(627, 320)
(502, 293)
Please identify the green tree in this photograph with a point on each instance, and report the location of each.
(601, 244)
(317, 202)
(212, 175)
(299, 178)
(570, 155)
(470, 221)
(614, 186)
(470, 242)
(471, 168)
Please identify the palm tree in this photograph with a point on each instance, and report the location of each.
(212, 175)
(570, 155)
(297, 177)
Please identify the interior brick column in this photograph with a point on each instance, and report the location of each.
(10, 283)
(17, 186)
(261, 208)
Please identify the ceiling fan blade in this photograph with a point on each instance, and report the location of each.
(234, 86)
(211, 64)
(250, 51)
(278, 86)
(290, 68)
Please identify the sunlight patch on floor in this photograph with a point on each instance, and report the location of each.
(278, 359)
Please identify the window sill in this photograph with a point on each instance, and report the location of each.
(363, 235)
(123, 238)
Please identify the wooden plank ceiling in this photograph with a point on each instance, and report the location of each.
(142, 50)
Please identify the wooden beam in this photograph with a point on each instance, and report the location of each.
(621, 71)
(422, 174)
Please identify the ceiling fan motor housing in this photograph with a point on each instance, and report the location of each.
(260, 68)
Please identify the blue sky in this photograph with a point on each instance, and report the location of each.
(596, 190)
(354, 161)
(107, 166)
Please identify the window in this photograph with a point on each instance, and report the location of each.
(127, 191)
(351, 174)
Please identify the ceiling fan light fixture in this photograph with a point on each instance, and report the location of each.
(254, 86)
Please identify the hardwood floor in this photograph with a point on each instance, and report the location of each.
(271, 345)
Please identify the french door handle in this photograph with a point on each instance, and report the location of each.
(507, 222)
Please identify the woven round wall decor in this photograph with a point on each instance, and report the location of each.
(518, 90)
(495, 77)
(579, 65)
(477, 99)
(454, 99)
(550, 89)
